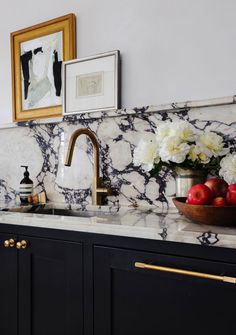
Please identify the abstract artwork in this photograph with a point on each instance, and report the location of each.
(92, 84)
(37, 54)
(41, 62)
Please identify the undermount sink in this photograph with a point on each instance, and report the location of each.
(65, 212)
(56, 211)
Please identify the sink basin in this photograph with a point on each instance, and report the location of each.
(39, 209)
(64, 212)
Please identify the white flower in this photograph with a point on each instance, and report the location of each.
(204, 158)
(163, 130)
(184, 130)
(146, 154)
(212, 144)
(228, 168)
(195, 153)
(173, 150)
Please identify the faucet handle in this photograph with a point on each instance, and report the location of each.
(102, 191)
(101, 188)
(110, 191)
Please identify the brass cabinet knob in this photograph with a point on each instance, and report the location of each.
(9, 243)
(22, 244)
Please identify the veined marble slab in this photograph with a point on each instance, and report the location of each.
(43, 147)
(147, 223)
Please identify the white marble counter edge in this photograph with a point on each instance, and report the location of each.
(170, 107)
(176, 233)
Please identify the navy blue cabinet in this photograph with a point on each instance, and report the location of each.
(41, 287)
(71, 283)
(8, 285)
(129, 300)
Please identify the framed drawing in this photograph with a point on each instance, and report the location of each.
(37, 56)
(92, 84)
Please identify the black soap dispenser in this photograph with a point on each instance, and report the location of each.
(26, 186)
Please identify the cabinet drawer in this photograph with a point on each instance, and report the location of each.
(179, 296)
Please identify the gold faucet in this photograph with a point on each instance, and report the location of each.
(97, 188)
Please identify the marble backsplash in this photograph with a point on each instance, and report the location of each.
(43, 147)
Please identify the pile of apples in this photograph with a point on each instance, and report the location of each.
(215, 191)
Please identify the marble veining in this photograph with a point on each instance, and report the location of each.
(144, 222)
(208, 238)
(43, 148)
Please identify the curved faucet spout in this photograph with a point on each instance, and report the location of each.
(97, 189)
(71, 146)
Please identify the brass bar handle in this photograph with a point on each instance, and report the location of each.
(9, 243)
(22, 245)
(102, 190)
(225, 279)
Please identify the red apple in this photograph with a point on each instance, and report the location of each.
(219, 201)
(231, 194)
(218, 186)
(199, 194)
(232, 188)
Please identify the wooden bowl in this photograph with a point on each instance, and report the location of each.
(207, 214)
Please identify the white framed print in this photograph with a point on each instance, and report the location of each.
(92, 84)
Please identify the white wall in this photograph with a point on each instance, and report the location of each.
(172, 50)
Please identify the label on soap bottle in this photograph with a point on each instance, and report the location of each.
(25, 191)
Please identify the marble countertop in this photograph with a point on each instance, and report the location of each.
(146, 222)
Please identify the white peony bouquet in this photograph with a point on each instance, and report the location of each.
(179, 143)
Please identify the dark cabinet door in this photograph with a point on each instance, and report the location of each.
(134, 301)
(50, 287)
(8, 286)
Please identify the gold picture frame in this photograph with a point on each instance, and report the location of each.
(31, 80)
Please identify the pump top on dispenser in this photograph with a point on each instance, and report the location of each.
(26, 186)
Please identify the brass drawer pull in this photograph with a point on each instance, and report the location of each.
(225, 279)
(9, 243)
(22, 244)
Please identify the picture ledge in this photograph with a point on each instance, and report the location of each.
(171, 107)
